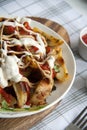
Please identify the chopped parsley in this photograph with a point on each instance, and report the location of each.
(56, 68)
(4, 104)
(5, 107)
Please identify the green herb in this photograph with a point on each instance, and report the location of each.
(6, 108)
(4, 104)
(56, 68)
(35, 108)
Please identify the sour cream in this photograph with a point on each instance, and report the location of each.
(51, 61)
(3, 81)
(10, 70)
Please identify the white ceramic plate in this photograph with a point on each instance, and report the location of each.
(62, 88)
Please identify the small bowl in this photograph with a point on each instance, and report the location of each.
(82, 45)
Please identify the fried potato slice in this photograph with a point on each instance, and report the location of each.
(62, 74)
(42, 91)
(51, 41)
(21, 93)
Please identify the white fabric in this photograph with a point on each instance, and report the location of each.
(59, 11)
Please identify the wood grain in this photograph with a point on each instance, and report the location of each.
(54, 26)
(24, 123)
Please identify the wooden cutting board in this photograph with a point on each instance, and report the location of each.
(24, 123)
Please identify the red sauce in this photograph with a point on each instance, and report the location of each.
(6, 96)
(26, 24)
(45, 66)
(8, 30)
(84, 38)
(48, 49)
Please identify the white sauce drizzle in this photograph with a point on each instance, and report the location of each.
(7, 23)
(25, 20)
(41, 45)
(9, 68)
(32, 42)
(13, 24)
(16, 41)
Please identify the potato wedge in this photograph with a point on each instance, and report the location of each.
(42, 91)
(21, 93)
(62, 75)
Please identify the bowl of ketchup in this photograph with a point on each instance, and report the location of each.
(83, 44)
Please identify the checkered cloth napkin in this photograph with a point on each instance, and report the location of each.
(59, 11)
